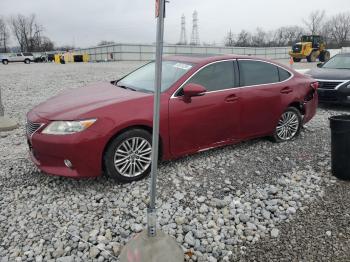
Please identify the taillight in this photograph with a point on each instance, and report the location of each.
(315, 85)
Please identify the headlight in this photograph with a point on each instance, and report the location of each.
(67, 127)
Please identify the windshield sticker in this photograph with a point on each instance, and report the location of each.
(183, 66)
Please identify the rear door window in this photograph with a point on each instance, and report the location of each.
(284, 74)
(257, 73)
(214, 77)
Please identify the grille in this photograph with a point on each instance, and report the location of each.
(31, 127)
(329, 85)
(327, 96)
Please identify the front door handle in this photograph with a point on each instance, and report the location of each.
(231, 98)
(286, 90)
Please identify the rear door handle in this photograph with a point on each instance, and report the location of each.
(231, 98)
(286, 90)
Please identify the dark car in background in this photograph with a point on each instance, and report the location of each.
(334, 79)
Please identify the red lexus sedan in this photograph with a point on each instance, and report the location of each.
(206, 102)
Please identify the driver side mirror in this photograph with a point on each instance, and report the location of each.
(320, 65)
(191, 90)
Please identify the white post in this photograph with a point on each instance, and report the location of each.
(6, 124)
(2, 112)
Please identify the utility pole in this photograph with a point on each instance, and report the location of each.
(183, 36)
(153, 245)
(195, 33)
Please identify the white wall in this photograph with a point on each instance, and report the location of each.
(131, 52)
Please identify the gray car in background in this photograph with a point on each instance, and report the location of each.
(26, 58)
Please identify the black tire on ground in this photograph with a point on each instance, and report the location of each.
(327, 56)
(312, 57)
(26, 61)
(5, 62)
(110, 154)
(295, 113)
(322, 57)
(296, 60)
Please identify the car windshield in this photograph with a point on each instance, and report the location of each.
(338, 62)
(143, 78)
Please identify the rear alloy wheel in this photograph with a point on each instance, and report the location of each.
(128, 157)
(288, 126)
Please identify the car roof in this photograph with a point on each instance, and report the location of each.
(207, 58)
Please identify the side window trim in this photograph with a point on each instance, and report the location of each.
(267, 62)
(176, 93)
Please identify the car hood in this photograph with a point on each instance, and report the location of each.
(330, 74)
(77, 103)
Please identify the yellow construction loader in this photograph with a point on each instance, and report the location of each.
(310, 47)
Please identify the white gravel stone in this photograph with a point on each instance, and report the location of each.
(275, 232)
(213, 202)
(189, 239)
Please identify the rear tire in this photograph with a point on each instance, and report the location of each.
(324, 56)
(296, 60)
(128, 156)
(5, 62)
(289, 125)
(312, 57)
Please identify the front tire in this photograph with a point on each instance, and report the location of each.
(5, 62)
(289, 125)
(27, 61)
(128, 156)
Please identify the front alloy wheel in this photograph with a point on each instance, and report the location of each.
(288, 126)
(133, 157)
(128, 157)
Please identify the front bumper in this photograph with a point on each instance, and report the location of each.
(84, 150)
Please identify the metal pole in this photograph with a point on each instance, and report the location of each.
(2, 111)
(151, 211)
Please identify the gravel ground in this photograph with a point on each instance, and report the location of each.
(255, 201)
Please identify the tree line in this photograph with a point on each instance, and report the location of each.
(335, 31)
(27, 32)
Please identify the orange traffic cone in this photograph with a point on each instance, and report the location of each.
(291, 62)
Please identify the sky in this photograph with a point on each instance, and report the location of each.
(84, 23)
